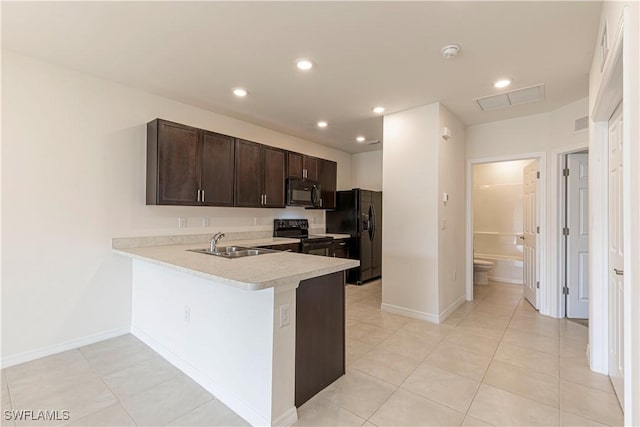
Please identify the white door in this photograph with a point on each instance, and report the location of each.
(578, 238)
(530, 234)
(616, 256)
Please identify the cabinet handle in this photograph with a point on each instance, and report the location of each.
(304, 173)
(265, 199)
(262, 201)
(202, 196)
(198, 200)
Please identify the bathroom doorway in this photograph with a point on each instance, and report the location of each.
(505, 222)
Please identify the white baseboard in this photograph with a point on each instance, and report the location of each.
(287, 419)
(453, 307)
(390, 308)
(30, 355)
(505, 280)
(237, 404)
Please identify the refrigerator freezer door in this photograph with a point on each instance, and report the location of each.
(376, 244)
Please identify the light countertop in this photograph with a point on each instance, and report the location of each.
(250, 273)
(334, 235)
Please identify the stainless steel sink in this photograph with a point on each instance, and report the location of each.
(234, 251)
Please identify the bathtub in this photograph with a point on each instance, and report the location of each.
(507, 269)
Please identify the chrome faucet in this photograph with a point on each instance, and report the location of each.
(214, 241)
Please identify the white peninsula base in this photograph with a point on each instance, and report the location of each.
(229, 340)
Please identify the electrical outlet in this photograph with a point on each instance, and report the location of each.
(182, 222)
(205, 221)
(187, 314)
(455, 274)
(284, 315)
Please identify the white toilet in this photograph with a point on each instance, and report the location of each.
(481, 269)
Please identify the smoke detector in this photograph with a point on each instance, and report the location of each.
(450, 51)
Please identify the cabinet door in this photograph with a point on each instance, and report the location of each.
(310, 164)
(341, 248)
(320, 346)
(217, 169)
(327, 176)
(178, 164)
(274, 177)
(294, 165)
(248, 174)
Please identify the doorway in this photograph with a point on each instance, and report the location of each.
(505, 242)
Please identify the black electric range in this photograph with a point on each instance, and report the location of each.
(299, 229)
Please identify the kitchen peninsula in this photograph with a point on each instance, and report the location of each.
(232, 324)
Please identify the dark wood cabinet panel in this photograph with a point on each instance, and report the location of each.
(217, 177)
(172, 153)
(320, 346)
(340, 248)
(310, 166)
(195, 167)
(288, 247)
(274, 177)
(248, 174)
(327, 176)
(294, 165)
(300, 166)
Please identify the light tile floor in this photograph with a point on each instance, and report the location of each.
(495, 361)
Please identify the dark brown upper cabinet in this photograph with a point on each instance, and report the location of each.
(188, 166)
(260, 175)
(300, 166)
(327, 176)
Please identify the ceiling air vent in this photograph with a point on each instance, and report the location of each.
(373, 142)
(581, 123)
(512, 98)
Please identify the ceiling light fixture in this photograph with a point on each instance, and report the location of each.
(304, 64)
(450, 51)
(239, 92)
(360, 139)
(322, 124)
(502, 83)
(378, 110)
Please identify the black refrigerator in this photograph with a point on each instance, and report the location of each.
(359, 213)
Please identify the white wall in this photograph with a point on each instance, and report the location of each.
(550, 134)
(366, 170)
(451, 215)
(605, 91)
(497, 207)
(410, 220)
(423, 270)
(73, 177)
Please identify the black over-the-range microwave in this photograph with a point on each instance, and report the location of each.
(303, 192)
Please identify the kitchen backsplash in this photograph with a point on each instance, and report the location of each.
(179, 225)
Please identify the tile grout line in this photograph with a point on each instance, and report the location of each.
(492, 358)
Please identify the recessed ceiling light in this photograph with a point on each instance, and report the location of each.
(322, 124)
(240, 92)
(378, 110)
(502, 83)
(360, 139)
(304, 64)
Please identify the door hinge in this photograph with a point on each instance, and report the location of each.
(537, 285)
(565, 290)
(565, 172)
(565, 231)
(538, 175)
(538, 229)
